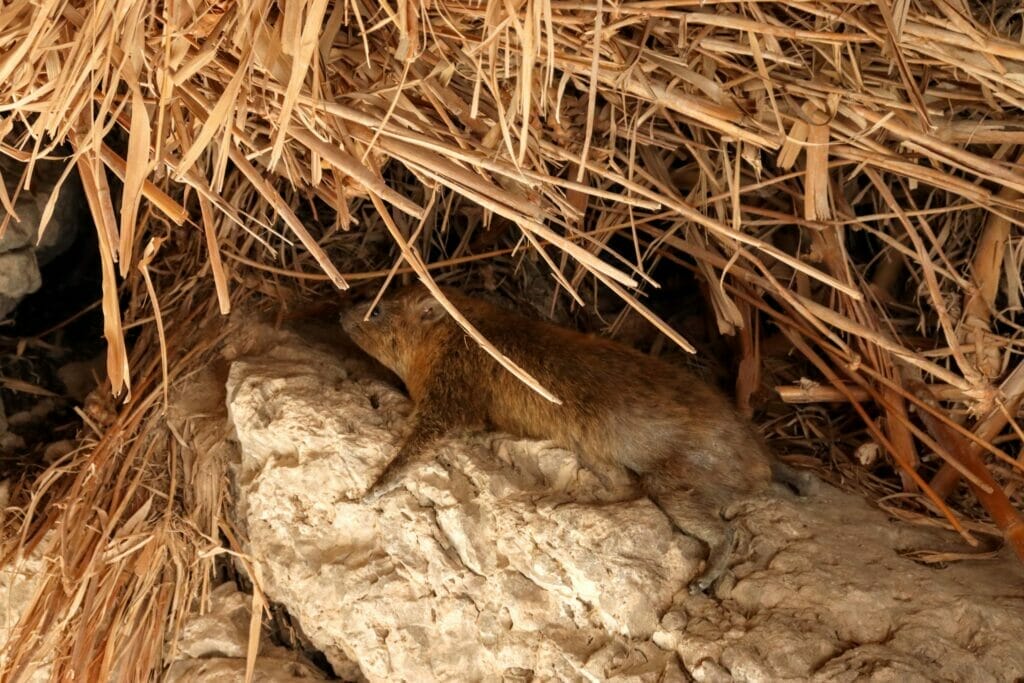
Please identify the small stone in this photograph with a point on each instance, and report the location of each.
(19, 274)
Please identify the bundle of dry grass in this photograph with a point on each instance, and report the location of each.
(849, 172)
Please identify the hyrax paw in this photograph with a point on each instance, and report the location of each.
(706, 580)
(380, 488)
(702, 584)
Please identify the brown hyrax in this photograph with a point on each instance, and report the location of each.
(622, 411)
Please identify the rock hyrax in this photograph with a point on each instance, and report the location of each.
(622, 411)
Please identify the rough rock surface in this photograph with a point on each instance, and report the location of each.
(19, 276)
(501, 559)
(18, 586)
(22, 249)
(213, 647)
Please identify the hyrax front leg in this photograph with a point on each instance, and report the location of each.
(447, 404)
(426, 429)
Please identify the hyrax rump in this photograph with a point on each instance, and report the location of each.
(622, 411)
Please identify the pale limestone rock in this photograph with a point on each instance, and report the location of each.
(501, 559)
(468, 574)
(213, 647)
(18, 585)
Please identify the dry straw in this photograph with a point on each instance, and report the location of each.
(757, 143)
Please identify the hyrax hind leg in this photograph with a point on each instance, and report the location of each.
(697, 514)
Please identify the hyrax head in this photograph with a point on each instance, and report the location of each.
(397, 327)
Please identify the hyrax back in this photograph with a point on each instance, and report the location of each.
(622, 411)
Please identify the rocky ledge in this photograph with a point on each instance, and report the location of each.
(501, 560)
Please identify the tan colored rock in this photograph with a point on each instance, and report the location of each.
(213, 647)
(18, 585)
(501, 559)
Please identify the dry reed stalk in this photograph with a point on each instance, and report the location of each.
(1011, 396)
(987, 269)
(819, 393)
(995, 501)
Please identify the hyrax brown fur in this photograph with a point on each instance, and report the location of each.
(622, 411)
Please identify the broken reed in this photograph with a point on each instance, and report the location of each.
(754, 142)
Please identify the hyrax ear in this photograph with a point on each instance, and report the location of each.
(429, 309)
